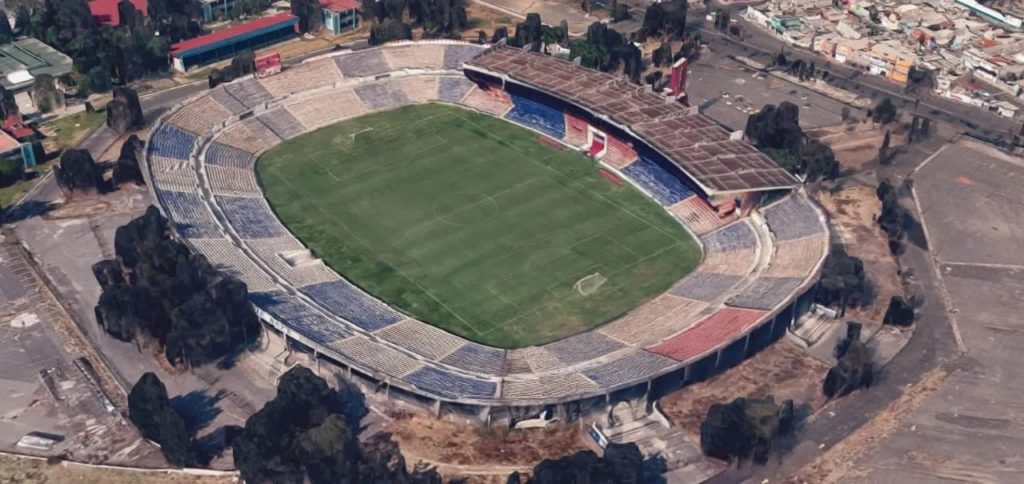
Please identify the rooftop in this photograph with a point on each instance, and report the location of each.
(339, 5)
(693, 142)
(232, 32)
(104, 12)
(33, 56)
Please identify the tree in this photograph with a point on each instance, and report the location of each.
(22, 20)
(243, 64)
(150, 411)
(899, 312)
(842, 282)
(78, 172)
(590, 55)
(621, 464)
(528, 32)
(853, 369)
(744, 428)
(620, 11)
(45, 94)
(127, 167)
(885, 112)
(309, 14)
(124, 112)
(11, 171)
(776, 130)
(6, 33)
(845, 114)
(130, 17)
(664, 18)
(884, 155)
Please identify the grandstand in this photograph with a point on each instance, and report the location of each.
(757, 275)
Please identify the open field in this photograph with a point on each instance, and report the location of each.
(467, 222)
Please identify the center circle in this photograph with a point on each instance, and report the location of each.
(465, 208)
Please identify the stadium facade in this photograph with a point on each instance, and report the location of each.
(764, 241)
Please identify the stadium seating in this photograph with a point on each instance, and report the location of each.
(792, 218)
(418, 89)
(582, 347)
(537, 115)
(635, 366)
(301, 78)
(657, 319)
(492, 101)
(664, 186)
(547, 387)
(282, 123)
(453, 89)
(375, 357)
(188, 213)
(529, 360)
(173, 173)
(250, 135)
(249, 92)
(381, 95)
(577, 130)
(450, 385)
(699, 216)
(250, 217)
(414, 57)
(200, 115)
(797, 257)
(455, 55)
(618, 154)
(294, 313)
(736, 262)
(477, 358)
(171, 142)
(705, 286)
(351, 303)
(708, 334)
(228, 101)
(220, 154)
(364, 63)
(421, 338)
(766, 292)
(273, 252)
(737, 236)
(224, 255)
(233, 182)
(326, 108)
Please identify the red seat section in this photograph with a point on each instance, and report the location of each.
(710, 333)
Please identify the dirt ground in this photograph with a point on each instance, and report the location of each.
(18, 470)
(856, 145)
(782, 370)
(852, 210)
(451, 443)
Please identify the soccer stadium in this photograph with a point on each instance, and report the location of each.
(481, 230)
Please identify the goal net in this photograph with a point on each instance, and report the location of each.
(588, 285)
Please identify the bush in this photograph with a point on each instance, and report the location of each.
(11, 172)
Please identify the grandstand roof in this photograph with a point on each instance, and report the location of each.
(696, 144)
(231, 32)
(339, 5)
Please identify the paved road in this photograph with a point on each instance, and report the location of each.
(764, 47)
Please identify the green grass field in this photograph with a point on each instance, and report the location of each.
(469, 223)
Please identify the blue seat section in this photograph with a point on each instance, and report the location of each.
(291, 311)
(172, 142)
(582, 347)
(352, 304)
(478, 358)
(251, 217)
(538, 115)
(450, 385)
(631, 368)
(662, 184)
(737, 236)
(186, 210)
(228, 156)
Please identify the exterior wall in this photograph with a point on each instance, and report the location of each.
(338, 22)
(226, 49)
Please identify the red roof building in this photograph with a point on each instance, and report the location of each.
(104, 12)
(15, 127)
(224, 44)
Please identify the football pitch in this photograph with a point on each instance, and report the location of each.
(467, 222)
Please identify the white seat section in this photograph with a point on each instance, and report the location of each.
(200, 115)
(491, 101)
(250, 135)
(538, 358)
(547, 386)
(288, 258)
(301, 78)
(659, 318)
(326, 108)
(421, 338)
(419, 89)
(224, 255)
(731, 262)
(414, 57)
(173, 174)
(375, 356)
(232, 181)
(797, 257)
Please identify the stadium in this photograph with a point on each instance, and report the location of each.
(274, 180)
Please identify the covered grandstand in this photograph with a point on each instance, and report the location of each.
(223, 44)
(757, 276)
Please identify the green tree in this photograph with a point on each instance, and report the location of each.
(590, 55)
(528, 32)
(6, 33)
(22, 20)
(11, 171)
(842, 281)
(885, 112)
(151, 412)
